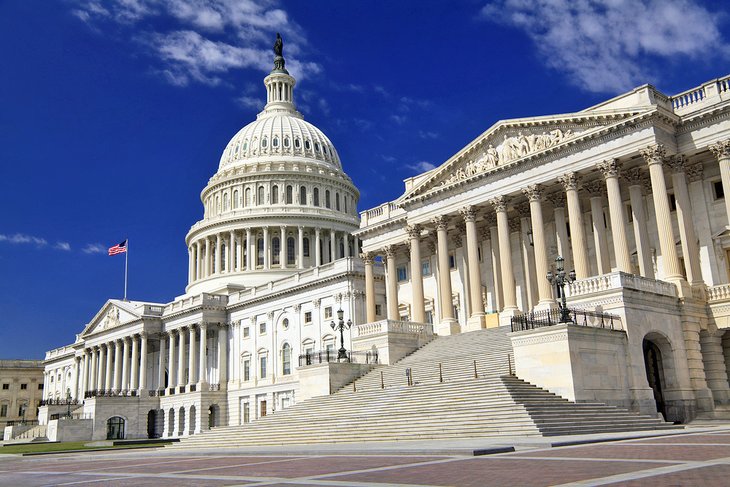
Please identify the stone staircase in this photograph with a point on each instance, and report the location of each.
(35, 434)
(442, 400)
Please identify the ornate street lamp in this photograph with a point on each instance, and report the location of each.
(560, 279)
(341, 325)
(68, 402)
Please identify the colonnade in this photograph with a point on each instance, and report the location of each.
(267, 248)
(117, 366)
(498, 226)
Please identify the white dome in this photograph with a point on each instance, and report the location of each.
(277, 134)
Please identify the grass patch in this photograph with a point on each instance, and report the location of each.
(67, 446)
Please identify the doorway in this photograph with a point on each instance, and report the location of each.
(655, 374)
(115, 428)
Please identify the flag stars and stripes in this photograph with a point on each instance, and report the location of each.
(119, 248)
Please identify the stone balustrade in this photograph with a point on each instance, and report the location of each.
(391, 326)
(702, 95)
(381, 213)
(718, 294)
(617, 280)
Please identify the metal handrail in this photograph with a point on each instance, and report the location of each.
(551, 317)
(326, 356)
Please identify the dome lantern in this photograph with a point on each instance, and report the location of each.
(279, 84)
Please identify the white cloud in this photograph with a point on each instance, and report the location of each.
(427, 135)
(421, 166)
(22, 238)
(608, 46)
(65, 246)
(251, 102)
(399, 119)
(95, 248)
(202, 40)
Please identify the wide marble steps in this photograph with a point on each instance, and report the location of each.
(454, 404)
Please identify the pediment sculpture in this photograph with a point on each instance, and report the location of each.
(111, 319)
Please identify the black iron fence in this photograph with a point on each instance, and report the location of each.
(550, 317)
(22, 422)
(59, 402)
(325, 356)
(110, 393)
(71, 416)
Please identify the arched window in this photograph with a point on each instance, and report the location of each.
(337, 201)
(275, 142)
(327, 198)
(115, 428)
(316, 196)
(236, 201)
(217, 205)
(344, 200)
(212, 260)
(225, 201)
(260, 252)
(286, 141)
(245, 145)
(247, 199)
(316, 146)
(264, 143)
(342, 248)
(290, 251)
(289, 195)
(274, 195)
(286, 359)
(307, 144)
(275, 249)
(303, 195)
(297, 143)
(260, 197)
(224, 261)
(305, 247)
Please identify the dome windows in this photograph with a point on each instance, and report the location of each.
(264, 143)
(316, 147)
(286, 142)
(275, 142)
(307, 145)
(297, 143)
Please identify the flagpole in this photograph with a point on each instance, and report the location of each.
(126, 260)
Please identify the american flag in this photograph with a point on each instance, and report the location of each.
(119, 248)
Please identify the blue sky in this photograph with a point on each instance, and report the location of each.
(113, 114)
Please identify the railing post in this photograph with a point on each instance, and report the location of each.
(441, 375)
(382, 384)
(476, 376)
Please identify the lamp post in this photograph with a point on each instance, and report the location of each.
(559, 279)
(68, 402)
(341, 325)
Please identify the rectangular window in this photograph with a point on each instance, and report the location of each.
(262, 328)
(23, 387)
(429, 317)
(7, 386)
(307, 317)
(246, 413)
(426, 268)
(718, 192)
(246, 332)
(378, 310)
(405, 318)
(247, 370)
(328, 312)
(629, 213)
(3, 411)
(672, 202)
(452, 261)
(40, 387)
(479, 253)
(402, 273)
(262, 367)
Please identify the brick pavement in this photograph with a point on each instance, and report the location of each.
(686, 459)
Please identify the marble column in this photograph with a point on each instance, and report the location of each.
(192, 379)
(544, 288)
(493, 236)
(161, 363)
(85, 378)
(721, 150)
(101, 360)
(109, 367)
(442, 254)
(191, 263)
(561, 228)
(94, 368)
(239, 253)
(369, 259)
(218, 256)
(250, 251)
(713, 359)
(77, 370)
(392, 276)
(509, 305)
(171, 369)
(223, 355)
(317, 248)
(687, 233)
(282, 247)
(333, 246)
(207, 259)
(596, 190)
(202, 355)
(417, 305)
(528, 255)
(198, 261)
(134, 373)
(654, 156)
(125, 364)
(117, 365)
(267, 257)
(142, 385)
(181, 357)
(610, 169)
(231, 257)
(475, 275)
(577, 231)
(635, 179)
(300, 248)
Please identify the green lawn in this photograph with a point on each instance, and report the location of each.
(70, 445)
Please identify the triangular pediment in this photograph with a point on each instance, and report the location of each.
(114, 313)
(509, 142)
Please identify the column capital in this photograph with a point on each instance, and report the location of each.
(695, 172)
(490, 219)
(676, 163)
(297, 308)
(515, 225)
(533, 192)
(721, 149)
(316, 302)
(595, 188)
(460, 230)
(569, 181)
(654, 154)
(499, 203)
(485, 233)
(368, 258)
(414, 231)
(469, 213)
(390, 251)
(611, 168)
(557, 199)
(431, 245)
(441, 222)
(634, 176)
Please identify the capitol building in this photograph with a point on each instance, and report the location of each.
(630, 193)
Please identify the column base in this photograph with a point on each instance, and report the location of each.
(475, 322)
(684, 290)
(448, 327)
(505, 316)
(546, 305)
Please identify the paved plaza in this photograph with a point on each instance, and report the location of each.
(699, 458)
